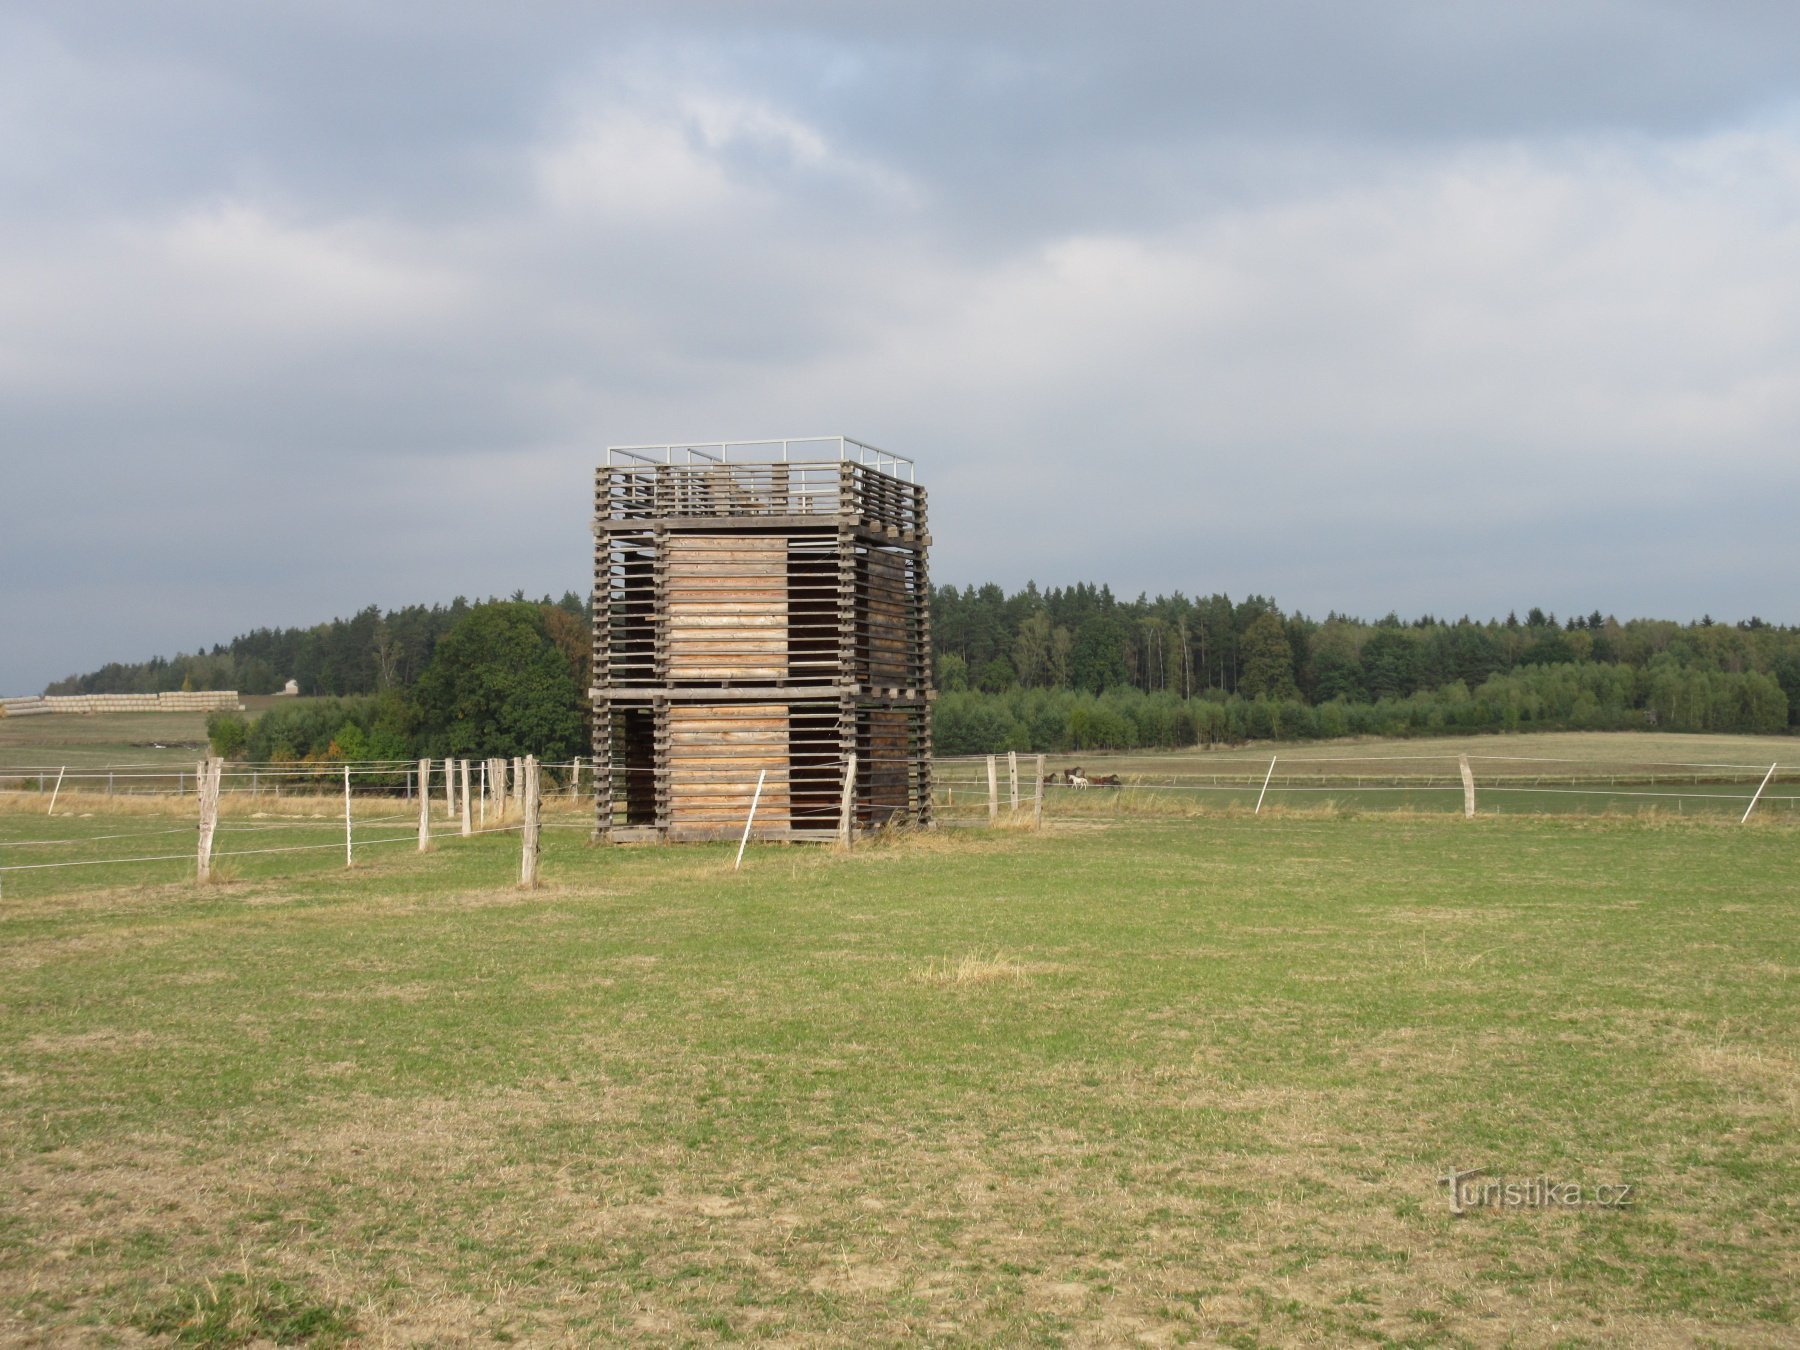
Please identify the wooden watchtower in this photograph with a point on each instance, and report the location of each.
(760, 607)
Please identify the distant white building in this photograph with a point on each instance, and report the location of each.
(290, 689)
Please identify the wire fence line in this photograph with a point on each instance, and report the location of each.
(368, 804)
(278, 778)
(344, 807)
(978, 788)
(216, 853)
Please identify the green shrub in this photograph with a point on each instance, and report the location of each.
(228, 733)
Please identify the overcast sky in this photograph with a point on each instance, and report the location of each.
(1438, 307)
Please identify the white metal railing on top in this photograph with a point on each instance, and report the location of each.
(782, 450)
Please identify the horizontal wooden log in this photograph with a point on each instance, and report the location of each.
(679, 727)
(706, 778)
(910, 538)
(721, 543)
(749, 746)
(709, 618)
(750, 712)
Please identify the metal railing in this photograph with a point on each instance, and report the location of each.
(785, 450)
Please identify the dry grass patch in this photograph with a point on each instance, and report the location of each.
(900, 844)
(959, 972)
(106, 1039)
(1761, 1080)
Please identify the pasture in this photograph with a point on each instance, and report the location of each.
(160, 740)
(1585, 773)
(1116, 1082)
(1595, 752)
(171, 740)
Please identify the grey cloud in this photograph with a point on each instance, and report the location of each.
(1410, 305)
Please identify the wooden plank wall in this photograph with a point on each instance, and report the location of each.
(713, 754)
(727, 607)
(888, 622)
(889, 763)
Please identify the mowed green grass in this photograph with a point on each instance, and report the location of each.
(1189, 1080)
(94, 841)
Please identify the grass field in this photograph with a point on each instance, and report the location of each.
(1097, 1084)
(167, 739)
(173, 740)
(1598, 751)
(1588, 773)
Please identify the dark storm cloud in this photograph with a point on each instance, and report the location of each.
(1448, 308)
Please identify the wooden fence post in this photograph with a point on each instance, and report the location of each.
(449, 789)
(1037, 799)
(993, 792)
(349, 857)
(1468, 777)
(209, 813)
(425, 805)
(484, 793)
(847, 804)
(525, 784)
(1012, 777)
(463, 764)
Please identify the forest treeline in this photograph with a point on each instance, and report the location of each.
(368, 653)
(1079, 668)
(506, 678)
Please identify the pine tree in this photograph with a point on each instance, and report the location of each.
(1268, 660)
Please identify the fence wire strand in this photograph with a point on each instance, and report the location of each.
(960, 794)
